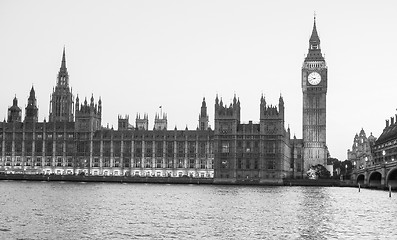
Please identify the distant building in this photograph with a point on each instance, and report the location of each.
(360, 155)
(385, 148)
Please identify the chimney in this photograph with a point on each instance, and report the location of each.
(387, 123)
(391, 120)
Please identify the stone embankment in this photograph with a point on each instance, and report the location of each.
(172, 180)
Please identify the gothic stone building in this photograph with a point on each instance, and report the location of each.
(360, 155)
(254, 151)
(314, 87)
(73, 140)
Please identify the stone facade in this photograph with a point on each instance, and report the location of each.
(61, 102)
(360, 155)
(314, 87)
(74, 141)
(258, 152)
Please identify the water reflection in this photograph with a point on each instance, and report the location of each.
(315, 213)
(52, 210)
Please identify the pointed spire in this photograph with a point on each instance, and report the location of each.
(32, 94)
(15, 101)
(32, 97)
(63, 76)
(63, 65)
(314, 46)
(263, 100)
(314, 37)
(203, 104)
(77, 103)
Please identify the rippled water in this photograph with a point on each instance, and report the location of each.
(62, 210)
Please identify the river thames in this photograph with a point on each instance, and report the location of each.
(63, 210)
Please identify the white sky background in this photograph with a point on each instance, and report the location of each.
(138, 55)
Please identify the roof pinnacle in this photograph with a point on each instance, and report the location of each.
(314, 37)
(63, 65)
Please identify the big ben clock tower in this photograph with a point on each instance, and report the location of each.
(314, 87)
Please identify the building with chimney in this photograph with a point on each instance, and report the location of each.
(384, 150)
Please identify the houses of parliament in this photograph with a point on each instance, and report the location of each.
(73, 140)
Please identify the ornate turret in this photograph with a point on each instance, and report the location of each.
(314, 46)
(61, 103)
(160, 121)
(77, 107)
(63, 76)
(227, 118)
(88, 117)
(271, 117)
(14, 112)
(31, 110)
(224, 112)
(270, 111)
(100, 106)
(123, 123)
(203, 117)
(142, 123)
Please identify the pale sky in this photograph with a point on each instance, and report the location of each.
(139, 55)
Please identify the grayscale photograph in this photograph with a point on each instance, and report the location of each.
(201, 119)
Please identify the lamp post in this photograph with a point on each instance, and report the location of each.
(384, 158)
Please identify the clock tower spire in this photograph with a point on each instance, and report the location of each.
(314, 46)
(314, 89)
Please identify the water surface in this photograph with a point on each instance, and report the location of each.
(63, 210)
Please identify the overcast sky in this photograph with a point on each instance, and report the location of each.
(139, 55)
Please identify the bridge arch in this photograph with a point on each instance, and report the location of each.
(375, 179)
(360, 179)
(391, 178)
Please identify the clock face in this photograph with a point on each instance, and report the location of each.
(314, 78)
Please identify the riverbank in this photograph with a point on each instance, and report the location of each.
(171, 180)
(115, 179)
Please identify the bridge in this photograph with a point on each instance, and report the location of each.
(380, 175)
